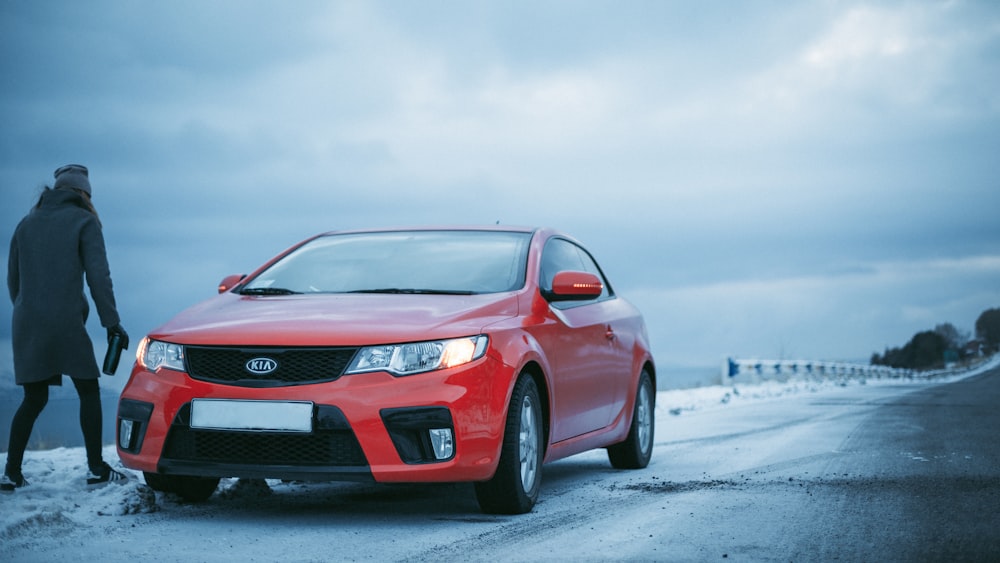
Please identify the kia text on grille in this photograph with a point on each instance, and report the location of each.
(261, 365)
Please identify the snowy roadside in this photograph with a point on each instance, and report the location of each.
(676, 402)
(58, 502)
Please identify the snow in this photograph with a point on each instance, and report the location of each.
(36, 519)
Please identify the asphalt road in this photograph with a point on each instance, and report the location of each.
(867, 474)
(862, 476)
(918, 480)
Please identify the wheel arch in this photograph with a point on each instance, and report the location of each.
(534, 370)
(651, 370)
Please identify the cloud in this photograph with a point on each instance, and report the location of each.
(875, 64)
(747, 155)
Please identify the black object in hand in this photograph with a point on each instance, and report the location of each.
(117, 341)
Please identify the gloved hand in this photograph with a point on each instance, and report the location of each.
(117, 330)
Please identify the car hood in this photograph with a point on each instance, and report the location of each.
(334, 319)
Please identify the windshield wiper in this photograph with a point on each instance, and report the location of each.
(267, 291)
(411, 291)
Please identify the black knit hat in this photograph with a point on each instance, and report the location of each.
(73, 176)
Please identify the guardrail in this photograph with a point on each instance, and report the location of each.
(757, 370)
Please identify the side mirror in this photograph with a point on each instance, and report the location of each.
(574, 286)
(230, 282)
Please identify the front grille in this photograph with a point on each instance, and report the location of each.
(295, 366)
(323, 447)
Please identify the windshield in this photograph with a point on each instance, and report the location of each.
(451, 262)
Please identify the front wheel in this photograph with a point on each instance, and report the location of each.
(637, 449)
(514, 487)
(189, 488)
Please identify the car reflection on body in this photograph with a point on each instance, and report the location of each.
(416, 355)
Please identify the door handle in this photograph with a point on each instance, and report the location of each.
(609, 333)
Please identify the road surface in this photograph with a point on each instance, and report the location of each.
(878, 472)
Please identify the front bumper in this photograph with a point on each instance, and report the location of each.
(369, 426)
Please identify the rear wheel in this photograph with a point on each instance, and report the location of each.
(189, 488)
(637, 449)
(514, 487)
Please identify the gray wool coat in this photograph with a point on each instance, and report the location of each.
(54, 247)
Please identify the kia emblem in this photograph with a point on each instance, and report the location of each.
(261, 366)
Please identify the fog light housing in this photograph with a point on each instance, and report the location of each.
(133, 420)
(125, 427)
(442, 442)
(421, 434)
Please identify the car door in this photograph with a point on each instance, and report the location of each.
(589, 360)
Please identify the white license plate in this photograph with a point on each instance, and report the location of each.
(229, 414)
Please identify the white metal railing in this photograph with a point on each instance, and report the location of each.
(757, 370)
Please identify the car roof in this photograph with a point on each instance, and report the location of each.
(486, 228)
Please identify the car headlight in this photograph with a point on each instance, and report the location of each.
(418, 357)
(154, 354)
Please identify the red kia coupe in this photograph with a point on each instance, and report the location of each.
(403, 355)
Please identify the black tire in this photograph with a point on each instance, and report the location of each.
(156, 482)
(637, 449)
(514, 487)
(189, 488)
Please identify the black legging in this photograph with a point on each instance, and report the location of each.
(36, 396)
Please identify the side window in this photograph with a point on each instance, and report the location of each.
(557, 256)
(560, 255)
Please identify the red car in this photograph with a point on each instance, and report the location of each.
(405, 355)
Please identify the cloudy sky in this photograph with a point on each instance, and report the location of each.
(764, 179)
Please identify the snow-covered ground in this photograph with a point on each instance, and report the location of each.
(36, 521)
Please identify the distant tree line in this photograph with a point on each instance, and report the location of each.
(945, 344)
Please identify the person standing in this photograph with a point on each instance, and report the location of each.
(54, 248)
